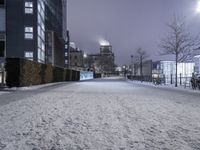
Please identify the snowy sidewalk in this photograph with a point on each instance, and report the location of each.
(167, 86)
(102, 115)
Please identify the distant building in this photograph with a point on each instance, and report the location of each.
(76, 58)
(106, 50)
(167, 69)
(67, 50)
(104, 62)
(91, 62)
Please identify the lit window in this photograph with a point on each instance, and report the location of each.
(28, 10)
(29, 4)
(28, 36)
(66, 54)
(28, 32)
(28, 55)
(29, 29)
(28, 7)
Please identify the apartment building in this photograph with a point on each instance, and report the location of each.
(23, 28)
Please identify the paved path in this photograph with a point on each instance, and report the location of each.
(104, 114)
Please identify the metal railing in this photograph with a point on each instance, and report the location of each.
(182, 80)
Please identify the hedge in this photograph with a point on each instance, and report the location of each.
(22, 72)
(97, 75)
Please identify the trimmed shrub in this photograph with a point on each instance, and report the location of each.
(58, 74)
(68, 75)
(97, 75)
(48, 77)
(30, 73)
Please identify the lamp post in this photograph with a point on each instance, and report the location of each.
(85, 61)
(198, 7)
(131, 67)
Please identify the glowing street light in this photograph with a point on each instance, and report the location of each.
(85, 60)
(198, 7)
(85, 55)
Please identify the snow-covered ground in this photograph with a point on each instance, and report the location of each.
(165, 86)
(104, 114)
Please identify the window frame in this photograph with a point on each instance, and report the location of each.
(30, 7)
(29, 57)
(28, 33)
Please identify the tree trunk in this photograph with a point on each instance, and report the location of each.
(176, 76)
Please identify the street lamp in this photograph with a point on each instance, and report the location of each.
(131, 67)
(85, 62)
(198, 7)
(85, 55)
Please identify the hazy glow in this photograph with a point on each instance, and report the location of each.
(85, 55)
(198, 7)
(103, 42)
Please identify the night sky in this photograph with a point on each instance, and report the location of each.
(127, 24)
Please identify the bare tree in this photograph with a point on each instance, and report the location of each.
(178, 43)
(139, 57)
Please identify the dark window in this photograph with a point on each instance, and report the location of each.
(75, 64)
(2, 48)
(2, 2)
(75, 57)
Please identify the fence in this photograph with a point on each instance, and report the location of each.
(162, 79)
(182, 80)
(140, 78)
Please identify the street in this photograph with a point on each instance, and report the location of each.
(101, 114)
